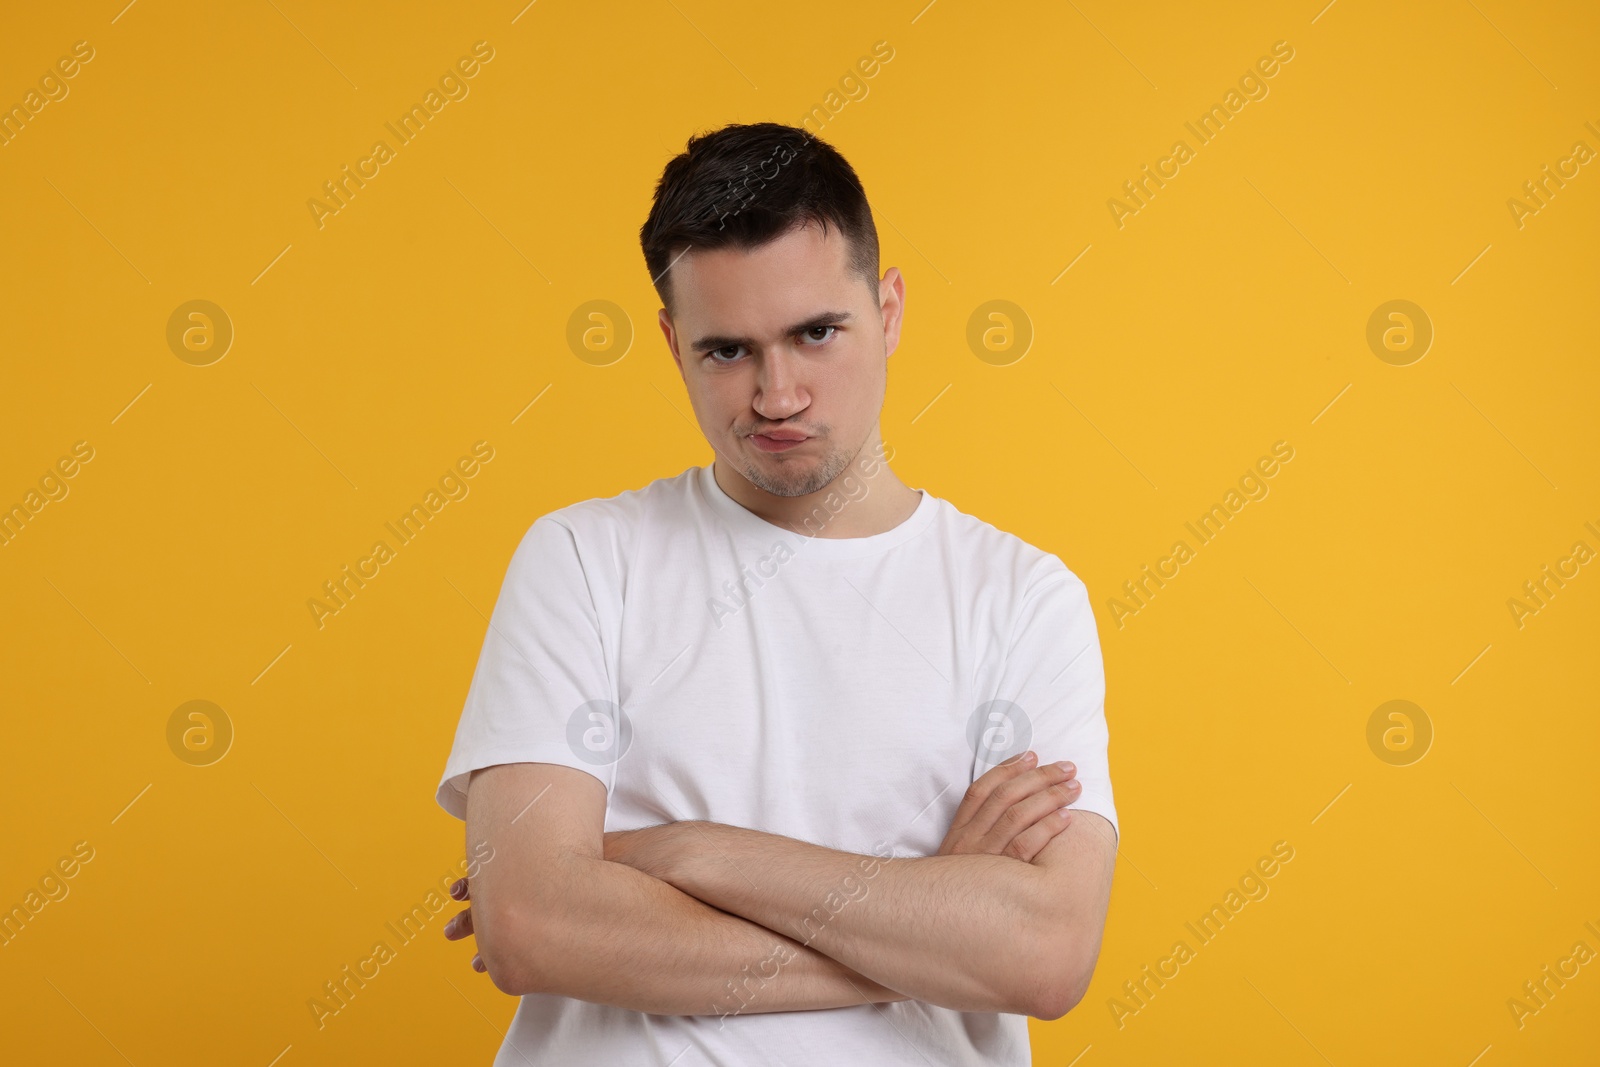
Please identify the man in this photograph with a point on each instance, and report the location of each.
(743, 740)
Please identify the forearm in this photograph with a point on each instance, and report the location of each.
(960, 931)
(625, 938)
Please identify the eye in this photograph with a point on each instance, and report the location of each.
(820, 340)
(733, 349)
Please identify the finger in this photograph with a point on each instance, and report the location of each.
(986, 784)
(1026, 813)
(478, 964)
(1028, 844)
(979, 834)
(1030, 809)
(1029, 813)
(459, 927)
(459, 889)
(1016, 789)
(1023, 814)
(978, 793)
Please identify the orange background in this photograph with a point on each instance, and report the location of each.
(1228, 313)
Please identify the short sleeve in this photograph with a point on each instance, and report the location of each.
(541, 692)
(1055, 676)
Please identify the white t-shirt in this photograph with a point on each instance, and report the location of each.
(842, 691)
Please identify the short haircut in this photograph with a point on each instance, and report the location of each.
(744, 185)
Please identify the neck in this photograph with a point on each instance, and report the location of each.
(866, 504)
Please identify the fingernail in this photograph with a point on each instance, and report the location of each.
(1065, 766)
(1029, 757)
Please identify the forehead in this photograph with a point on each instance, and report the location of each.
(765, 288)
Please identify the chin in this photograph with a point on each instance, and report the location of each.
(782, 475)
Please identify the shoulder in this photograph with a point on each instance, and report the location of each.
(626, 508)
(606, 529)
(1003, 558)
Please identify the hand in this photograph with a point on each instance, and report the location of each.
(461, 925)
(1013, 809)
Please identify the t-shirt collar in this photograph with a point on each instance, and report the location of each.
(809, 543)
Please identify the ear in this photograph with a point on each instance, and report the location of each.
(892, 303)
(665, 321)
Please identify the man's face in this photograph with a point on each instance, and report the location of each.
(786, 339)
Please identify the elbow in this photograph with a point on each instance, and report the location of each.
(1056, 999)
(1061, 980)
(502, 942)
(532, 943)
(506, 977)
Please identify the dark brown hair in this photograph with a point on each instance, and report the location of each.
(744, 185)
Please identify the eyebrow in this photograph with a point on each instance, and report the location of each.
(715, 341)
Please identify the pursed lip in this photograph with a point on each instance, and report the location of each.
(774, 444)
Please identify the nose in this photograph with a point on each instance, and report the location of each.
(780, 392)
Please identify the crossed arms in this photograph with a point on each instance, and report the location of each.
(702, 918)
